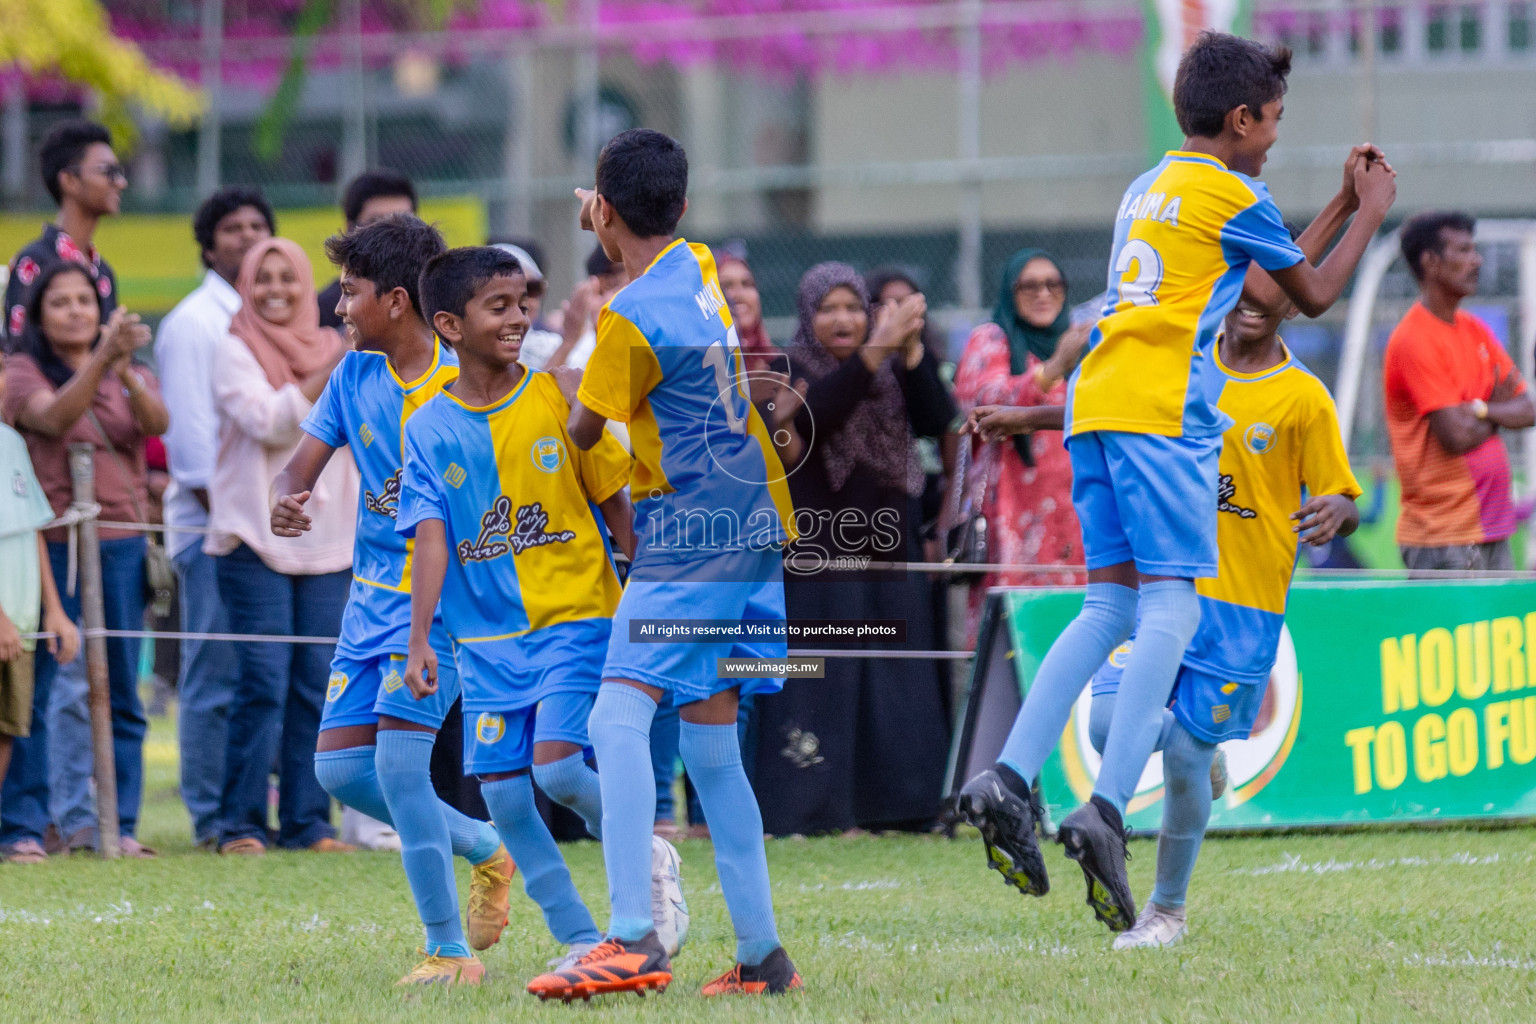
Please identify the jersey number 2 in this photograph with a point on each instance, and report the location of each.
(723, 357)
(1141, 290)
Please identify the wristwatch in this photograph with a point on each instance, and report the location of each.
(1479, 408)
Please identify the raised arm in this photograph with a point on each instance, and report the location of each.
(1316, 289)
(53, 413)
(1314, 241)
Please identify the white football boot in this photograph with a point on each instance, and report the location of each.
(1155, 927)
(669, 910)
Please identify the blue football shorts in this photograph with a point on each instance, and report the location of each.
(362, 690)
(513, 672)
(502, 741)
(1148, 499)
(1210, 707)
(738, 586)
(1214, 708)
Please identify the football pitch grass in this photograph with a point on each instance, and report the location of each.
(1435, 925)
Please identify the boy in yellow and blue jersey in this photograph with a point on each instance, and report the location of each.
(375, 745)
(1144, 438)
(507, 518)
(711, 514)
(1284, 475)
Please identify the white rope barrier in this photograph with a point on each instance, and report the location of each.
(75, 515)
(273, 638)
(951, 567)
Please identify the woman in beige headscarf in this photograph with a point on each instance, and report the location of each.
(267, 375)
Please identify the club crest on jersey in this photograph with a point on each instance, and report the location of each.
(387, 502)
(490, 728)
(1259, 438)
(1118, 656)
(548, 454)
(1226, 490)
(336, 687)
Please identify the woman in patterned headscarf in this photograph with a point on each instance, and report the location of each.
(866, 746)
(1022, 357)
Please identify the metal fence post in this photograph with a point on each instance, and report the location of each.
(82, 473)
(588, 90)
(968, 121)
(210, 132)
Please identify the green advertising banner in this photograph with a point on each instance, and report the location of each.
(1390, 701)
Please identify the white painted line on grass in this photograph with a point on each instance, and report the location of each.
(1293, 864)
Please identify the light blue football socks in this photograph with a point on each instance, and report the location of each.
(712, 754)
(404, 760)
(1106, 620)
(1102, 713)
(570, 783)
(1186, 812)
(351, 776)
(546, 879)
(1170, 612)
(620, 727)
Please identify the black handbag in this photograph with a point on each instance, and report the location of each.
(965, 540)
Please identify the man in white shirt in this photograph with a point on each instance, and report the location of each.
(226, 225)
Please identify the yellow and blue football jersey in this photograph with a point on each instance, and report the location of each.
(668, 363)
(1184, 235)
(1284, 437)
(365, 406)
(528, 550)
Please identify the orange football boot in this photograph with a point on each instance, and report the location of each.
(613, 966)
(774, 976)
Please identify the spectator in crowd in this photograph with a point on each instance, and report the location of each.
(226, 226)
(371, 196)
(888, 286)
(1022, 357)
(1450, 387)
(86, 181)
(866, 746)
(740, 290)
(540, 343)
(75, 382)
(578, 325)
(267, 373)
(27, 588)
(891, 284)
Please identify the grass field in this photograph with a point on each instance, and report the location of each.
(1403, 926)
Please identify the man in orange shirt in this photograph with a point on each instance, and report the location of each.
(1450, 386)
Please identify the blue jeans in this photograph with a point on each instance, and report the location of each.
(205, 690)
(24, 800)
(280, 689)
(665, 732)
(69, 728)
